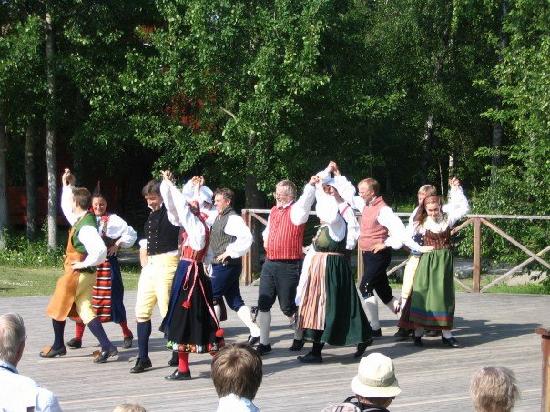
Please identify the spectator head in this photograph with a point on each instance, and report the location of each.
(494, 390)
(375, 382)
(237, 369)
(82, 198)
(151, 193)
(12, 338)
(129, 407)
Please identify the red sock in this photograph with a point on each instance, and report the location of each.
(183, 362)
(79, 330)
(125, 331)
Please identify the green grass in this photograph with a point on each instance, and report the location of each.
(25, 281)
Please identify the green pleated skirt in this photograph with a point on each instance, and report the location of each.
(433, 295)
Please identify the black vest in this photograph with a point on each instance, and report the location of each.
(162, 236)
(218, 238)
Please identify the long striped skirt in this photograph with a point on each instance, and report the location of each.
(330, 309)
(108, 292)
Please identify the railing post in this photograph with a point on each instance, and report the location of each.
(246, 274)
(359, 265)
(477, 256)
(545, 346)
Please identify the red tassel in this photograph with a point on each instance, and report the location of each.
(219, 333)
(186, 304)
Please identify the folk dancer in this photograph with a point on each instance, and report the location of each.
(230, 239)
(283, 242)
(193, 327)
(432, 303)
(73, 291)
(108, 292)
(159, 256)
(330, 308)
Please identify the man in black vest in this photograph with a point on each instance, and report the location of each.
(230, 239)
(159, 258)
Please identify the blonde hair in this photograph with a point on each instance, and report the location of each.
(428, 190)
(494, 389)
(129, 407)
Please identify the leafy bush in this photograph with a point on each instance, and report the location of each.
(21, 252)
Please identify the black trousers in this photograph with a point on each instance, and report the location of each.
(279, 279)
(375, 277)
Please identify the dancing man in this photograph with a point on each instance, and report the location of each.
(159, 257)
(230, 239)
(108, 292)
(73, 291)
(283, 239)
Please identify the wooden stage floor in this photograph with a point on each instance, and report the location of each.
(495, 330)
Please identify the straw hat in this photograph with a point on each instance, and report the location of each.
(375, 378)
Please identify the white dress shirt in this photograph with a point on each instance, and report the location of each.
(233, 403)
(117, 228)
(87, 235)
(19, 393)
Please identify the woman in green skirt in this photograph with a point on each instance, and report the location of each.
(433, 296)
(330, 308)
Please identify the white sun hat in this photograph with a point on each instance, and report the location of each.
(375, 378)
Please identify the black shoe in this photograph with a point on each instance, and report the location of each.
(418, 341)
(310, 358)
(74, 343)
(141, 365)
(263, 349)
(361, 348)
(105, 354)
(128, 340)
(253, 340)
(377, 333)
(53, 353)
(174, 359)
(432, 333)
(297, 345)
(403, 334)
(452, 342)
(178, 376)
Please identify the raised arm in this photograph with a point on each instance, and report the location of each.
(458, 205)
(299, 212)
(67, 197)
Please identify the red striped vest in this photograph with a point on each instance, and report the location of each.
(372, 232)
(285, 239)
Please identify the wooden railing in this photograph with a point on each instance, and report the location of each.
(250, 216)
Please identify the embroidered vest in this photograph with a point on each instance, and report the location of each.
(87, 220)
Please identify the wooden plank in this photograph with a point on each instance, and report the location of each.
(515, 242)
(492, 328)
(477, 256)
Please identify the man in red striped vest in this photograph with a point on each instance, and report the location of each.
(381, 230)
(283, 239)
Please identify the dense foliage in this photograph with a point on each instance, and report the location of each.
(249, 92)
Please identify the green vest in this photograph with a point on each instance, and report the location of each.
(87, 220)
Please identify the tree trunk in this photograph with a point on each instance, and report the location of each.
(50, 138)
(30, 180)
(498, 129)
(426, 149)
(3, 188)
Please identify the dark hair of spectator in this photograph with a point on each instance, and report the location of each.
(151, 188)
